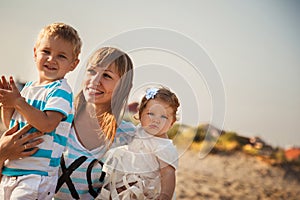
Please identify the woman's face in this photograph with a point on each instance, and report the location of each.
(99, 84)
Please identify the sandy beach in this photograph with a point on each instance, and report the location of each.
(233, 176)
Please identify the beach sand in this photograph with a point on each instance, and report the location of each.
(233, 176)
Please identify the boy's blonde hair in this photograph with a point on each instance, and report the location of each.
(63, 31)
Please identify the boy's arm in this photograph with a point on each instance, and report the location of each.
(6, 114)
(43, 121)
(168, 181)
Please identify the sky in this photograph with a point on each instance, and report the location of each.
(234, 64)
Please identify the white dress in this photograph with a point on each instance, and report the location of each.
(137, 163)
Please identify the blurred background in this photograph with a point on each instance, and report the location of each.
(254, 47)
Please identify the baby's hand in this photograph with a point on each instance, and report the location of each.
(9, 92)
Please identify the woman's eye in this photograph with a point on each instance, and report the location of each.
(106, 75)
(91, 71)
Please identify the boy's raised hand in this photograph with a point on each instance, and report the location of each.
(9, 92)
(4, 83)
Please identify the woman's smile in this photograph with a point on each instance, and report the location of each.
(94, 91)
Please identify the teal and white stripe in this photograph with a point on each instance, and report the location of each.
(56, 96)
(74, 150)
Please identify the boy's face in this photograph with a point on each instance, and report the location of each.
(157, 118)
(54, 59)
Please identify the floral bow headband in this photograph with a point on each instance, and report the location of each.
(151, 92)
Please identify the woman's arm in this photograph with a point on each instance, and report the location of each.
(168, 181)
(12, 145)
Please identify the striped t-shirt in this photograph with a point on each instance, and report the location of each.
(55, 96)
(75, 152)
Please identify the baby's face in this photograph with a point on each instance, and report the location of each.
(54, 59)
(157, 118)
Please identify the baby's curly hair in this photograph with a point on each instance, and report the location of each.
(165, 95)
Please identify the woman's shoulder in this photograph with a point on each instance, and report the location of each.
(125, 133)
(126, 127)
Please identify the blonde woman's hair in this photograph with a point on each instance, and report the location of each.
(62, 31)
(104, 57)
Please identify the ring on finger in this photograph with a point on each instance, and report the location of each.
(25, 146)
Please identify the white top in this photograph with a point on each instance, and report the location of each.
(138, 162)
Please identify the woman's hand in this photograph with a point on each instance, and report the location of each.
(12, 145)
